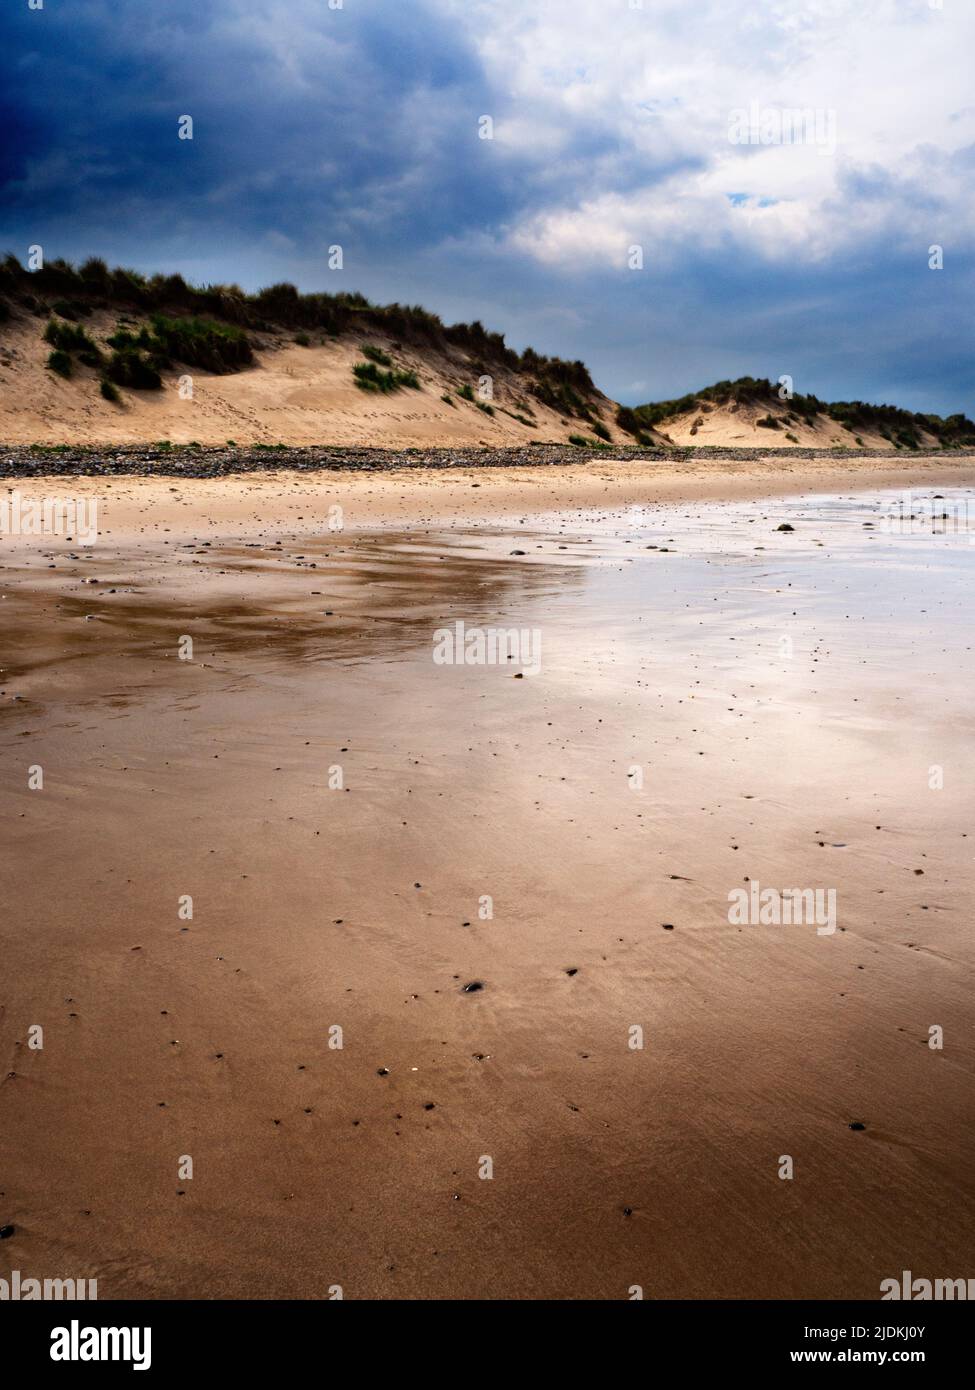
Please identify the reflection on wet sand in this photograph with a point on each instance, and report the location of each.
(383, 598)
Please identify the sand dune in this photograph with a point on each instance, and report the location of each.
(734, 425)
(280, 368)
(293, 395)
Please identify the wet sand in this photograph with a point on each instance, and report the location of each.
(358, 907)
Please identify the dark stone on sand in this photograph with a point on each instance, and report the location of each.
(473, 987)
(858, 1125)
(6, 1232)
(785, 527)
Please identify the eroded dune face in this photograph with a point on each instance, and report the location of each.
(291, 395)
(733, 425)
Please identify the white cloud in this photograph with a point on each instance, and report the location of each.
(627, 111)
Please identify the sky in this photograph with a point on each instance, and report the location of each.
(645, 201)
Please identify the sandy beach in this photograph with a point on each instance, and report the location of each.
(364, 833)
